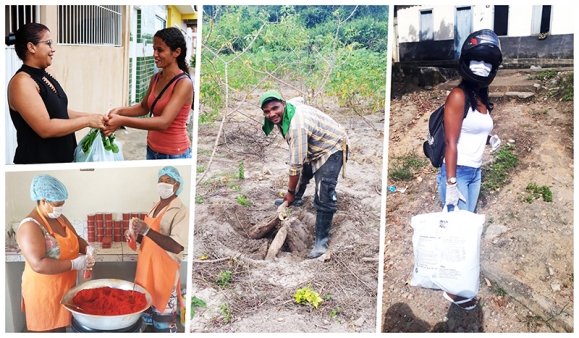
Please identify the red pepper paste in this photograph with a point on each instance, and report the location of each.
(107, 301)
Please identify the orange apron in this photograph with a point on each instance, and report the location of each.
(41, 294)
(156, 270)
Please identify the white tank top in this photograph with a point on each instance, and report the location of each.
(474, 132)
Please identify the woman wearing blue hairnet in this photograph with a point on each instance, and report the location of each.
(163, 237)
(54, 252)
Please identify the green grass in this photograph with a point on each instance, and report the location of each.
(243, 201)
(201, 168)
(226, 312)
(497, 174)
(223, 278)
(567, 88)
(546, 74)
(404, 167)
(535, 192)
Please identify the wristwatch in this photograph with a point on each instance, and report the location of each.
(293, 192)
(451, 180)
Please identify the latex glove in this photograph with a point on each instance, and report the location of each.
(495, 143)
(81, 263)
(139, 227)
(453, 195)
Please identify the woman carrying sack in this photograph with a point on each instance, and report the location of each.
(459, 178)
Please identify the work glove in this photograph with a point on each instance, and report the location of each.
(453, 195)
(495, 143)
(139, 227)
(81, 263)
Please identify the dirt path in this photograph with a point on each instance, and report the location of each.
(243, 292)
(527, 249)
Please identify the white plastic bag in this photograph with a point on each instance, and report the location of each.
(92, 149)
(447, 251)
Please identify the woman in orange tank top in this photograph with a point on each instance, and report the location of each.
(53, 252)
(167, 137)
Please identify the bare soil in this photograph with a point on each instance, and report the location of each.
(259, 295)
(526, 281)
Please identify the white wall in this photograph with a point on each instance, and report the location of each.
(520, 16)
(115, 190)
(563, 19)
(520, 20)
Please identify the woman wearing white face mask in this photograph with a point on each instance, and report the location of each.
(53, 252)
(163, 236)
(459, 178)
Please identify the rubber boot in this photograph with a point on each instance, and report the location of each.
(298, 198)
(323, 225)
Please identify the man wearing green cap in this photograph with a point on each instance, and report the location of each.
(317, 148)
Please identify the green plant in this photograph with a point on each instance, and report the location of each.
(567, 88)
(241, 174)
(243, 201)
(404, 167)
(536, 192)
(199, 199)
(500, 292)
(223, 278)
(336, 312)
(546, 74)
(491, 220)
(307, 296)
(497, 174)
(226, 312)
(201, 168)
(196, 302)
(571, 278)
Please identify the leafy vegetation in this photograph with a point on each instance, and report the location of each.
(546, 74)
(241, 170)
(196, 302)
(536, 192)
(317, 50)
(223, 278)
(307, 296)
(243, 201)
(497, 174)
(404, 167)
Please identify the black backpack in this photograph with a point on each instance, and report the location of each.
(434, 146)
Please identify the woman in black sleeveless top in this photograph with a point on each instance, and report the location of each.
(38, 105)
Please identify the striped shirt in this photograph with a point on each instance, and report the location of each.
(312, 138)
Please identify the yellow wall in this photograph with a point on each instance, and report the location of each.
(173, 17)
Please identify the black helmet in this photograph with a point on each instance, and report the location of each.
(481, 45)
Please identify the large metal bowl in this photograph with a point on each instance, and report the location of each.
(105, 322)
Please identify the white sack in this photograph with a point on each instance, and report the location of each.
(447, 251)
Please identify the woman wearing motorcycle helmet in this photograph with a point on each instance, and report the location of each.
(459, 178)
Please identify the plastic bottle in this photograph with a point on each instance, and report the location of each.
(132, 237)
(87, 273)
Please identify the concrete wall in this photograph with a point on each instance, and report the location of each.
(521, 47)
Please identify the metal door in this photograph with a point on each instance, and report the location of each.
(462, 27)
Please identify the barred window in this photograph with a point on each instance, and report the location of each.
(90, 25)
(17, 16)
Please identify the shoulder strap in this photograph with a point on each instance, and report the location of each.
(180, 75)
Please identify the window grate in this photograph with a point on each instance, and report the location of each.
(90, 25)
(19, 15)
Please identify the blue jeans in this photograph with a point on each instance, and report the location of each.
(468, 180)
(153, 155)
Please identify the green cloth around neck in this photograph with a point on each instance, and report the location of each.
(288, 113)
